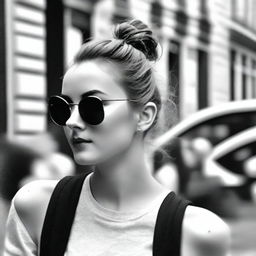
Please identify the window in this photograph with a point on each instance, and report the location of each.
(232, 74)
(240, 10)
(174, 70)
(190, 90)
(244, 78)
(254, 79)
(202, 79)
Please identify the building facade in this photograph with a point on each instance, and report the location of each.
(208, 51)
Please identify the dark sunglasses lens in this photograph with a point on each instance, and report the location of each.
(91, 110)
(59, 110)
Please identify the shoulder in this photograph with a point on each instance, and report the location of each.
(33, 192)
(31, 203)
(204, 233)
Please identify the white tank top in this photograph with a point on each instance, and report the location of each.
(98, 231)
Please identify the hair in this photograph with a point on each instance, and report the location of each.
(134, 48)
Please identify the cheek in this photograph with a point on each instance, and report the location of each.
(117, 129)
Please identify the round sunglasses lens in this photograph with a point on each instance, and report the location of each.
(59, 110)
(91, 110)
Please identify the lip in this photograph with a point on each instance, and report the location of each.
(77, 140)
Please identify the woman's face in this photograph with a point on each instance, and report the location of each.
(116, 132)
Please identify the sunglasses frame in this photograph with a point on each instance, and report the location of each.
(70, 104)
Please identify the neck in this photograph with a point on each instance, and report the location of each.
(125, 180)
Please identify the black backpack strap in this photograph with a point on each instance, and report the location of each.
(60, 215)
(168, 228)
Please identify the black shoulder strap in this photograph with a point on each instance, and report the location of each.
(62, 207)
(168, 228)
(60, 214)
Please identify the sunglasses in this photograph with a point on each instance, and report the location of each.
(90, 109)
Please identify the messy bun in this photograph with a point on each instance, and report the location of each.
(137, 34)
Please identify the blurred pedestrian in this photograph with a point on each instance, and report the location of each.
(16, 163)
(15, 166)
(109, 104)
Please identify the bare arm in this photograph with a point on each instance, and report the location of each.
(26, 218)
(204, 233)
(18, 241)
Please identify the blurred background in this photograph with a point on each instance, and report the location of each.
(208, 63)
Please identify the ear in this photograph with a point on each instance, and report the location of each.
(147, 116)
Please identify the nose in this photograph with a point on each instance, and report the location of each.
(75, 120)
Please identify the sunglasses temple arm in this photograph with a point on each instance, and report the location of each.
(119, 100)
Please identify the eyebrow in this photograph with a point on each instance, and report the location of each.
(92, 92)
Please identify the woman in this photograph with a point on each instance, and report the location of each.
(109, 107)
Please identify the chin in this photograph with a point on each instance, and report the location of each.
(85, 160)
